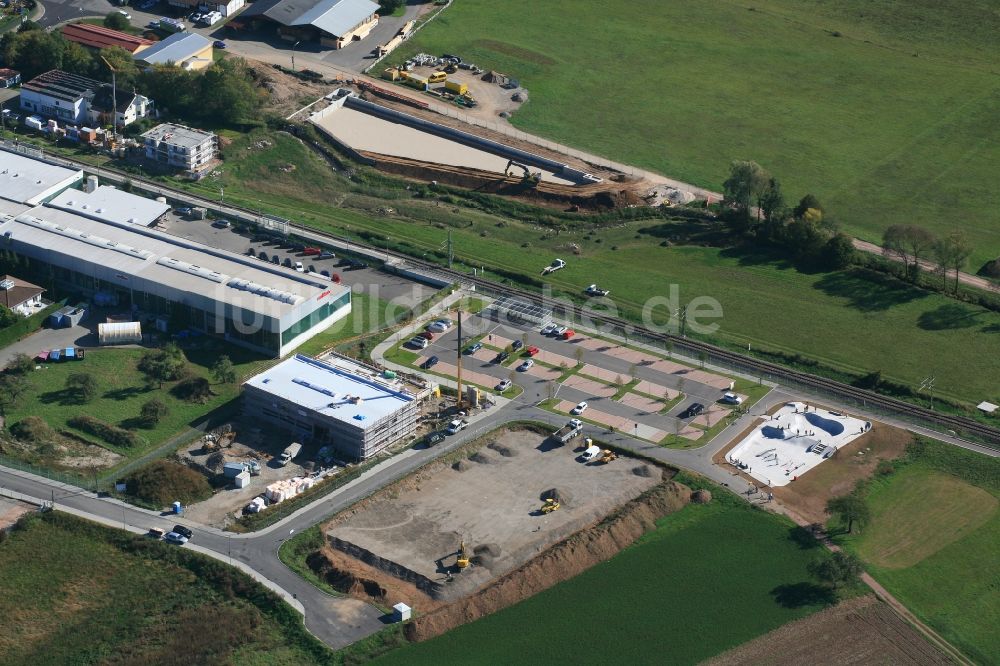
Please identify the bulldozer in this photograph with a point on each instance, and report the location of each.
(551, 504)
(607, 455)
(462, 562)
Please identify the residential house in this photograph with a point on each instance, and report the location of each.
(19, 296)
(181, 147)
(77, 100)
(9, 77)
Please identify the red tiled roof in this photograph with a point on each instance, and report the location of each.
(100, 37)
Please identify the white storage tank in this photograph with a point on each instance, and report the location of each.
(401, 612)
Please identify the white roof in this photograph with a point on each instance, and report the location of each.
(109, 204)
(987, 407)
(339, 18)
(176, 48)
(346, 391)
(29, 181)
(180, 264)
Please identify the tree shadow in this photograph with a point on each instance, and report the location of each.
(64, 397)
(992, 328)
(803, 538)
(950, 316)
(748, 254)
(868, 291)
(136, 423)
(797, 595)
(126, 393)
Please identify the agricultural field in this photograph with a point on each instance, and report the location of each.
(883, 110)
(932, 542)
(135, 601)
(710, 577)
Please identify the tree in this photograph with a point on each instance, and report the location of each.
(840, 569)
(20, 364)
(805, 203)
(909, 243)
(77, 60)
(747, 181)
(223, 371)
(226, 92)
(850, 509)
(34, 52)
(12, 387)
(839, 252)
(152, 411)
(633, 371)
(578, 353)
(7, 317)
(117, 21)
(669, 347)
(389, 7)
(162, 365)
(619, 382)
(702, 356)
(951, 253)
(772, 201)
(83, 385)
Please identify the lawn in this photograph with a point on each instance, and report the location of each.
(708, 578)
(74, 592)
(121, 393)
(367, 315)
(933, 543)
(881, 109)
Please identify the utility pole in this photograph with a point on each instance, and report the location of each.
(927, 384)
(458, 364)
(451, 250)
(293, 53)
(114, 98)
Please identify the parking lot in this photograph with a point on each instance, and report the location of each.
(394, 289)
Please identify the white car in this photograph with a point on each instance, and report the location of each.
(174, 537)
(299, 267)
(456, 427)
(594, 290)
(524, 366)
(549, 330)
(438, 327)
(125, 14)
(575, 423)
(559, 330)
(579, 409)
(504, 385)
(419, 342)
(731, 398)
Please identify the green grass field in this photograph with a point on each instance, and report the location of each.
(882, 109)
(74, 592)
(708, 578)
(933, 544)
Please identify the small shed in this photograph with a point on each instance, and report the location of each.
(233, 469)
(242, 480)
(987, 407)
(401, 612)
(119, 333)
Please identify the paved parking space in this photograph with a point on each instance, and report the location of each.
(658, 390)
(620, 423)
(589, 386)
(641, 403)
(550, 374)
(712, 415)
(469, 376)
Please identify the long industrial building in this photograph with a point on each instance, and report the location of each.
(336, 402)
(247, 301)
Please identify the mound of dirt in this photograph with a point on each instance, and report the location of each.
(560, 562)
(483, 459)
(701, 497)
(644, 471)
(558, 495)
(215, 462)
(461, 466)
(491, 549)
(505, 451)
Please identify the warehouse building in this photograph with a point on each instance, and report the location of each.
(30, 182)
(249, 302)
(333, 23)
(337, 402)
(109, 204)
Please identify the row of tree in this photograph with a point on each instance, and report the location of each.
(224, 93)
(912, 244)
(758, 209)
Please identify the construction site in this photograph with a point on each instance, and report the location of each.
(479, 515)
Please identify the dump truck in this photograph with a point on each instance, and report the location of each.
(573, 428)
(456, 87)
(289, 453)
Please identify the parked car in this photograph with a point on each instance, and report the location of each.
(426, 334)
(311, 251)
(125, 14)
(504, 385)
(517, 344)
(356, 264)
(731, 398)
(549, 329)
(559, 330)
(299, 267)
(567, 334)
(325, 273)
(277, 260)
(156, 532)
(437, 327)
(147, 4)
(287, 263)
(222, 224)
(433, 438)
(418, 342)
(183, 531)
(456, 426)
(580, 408)
(326, 254)
(524, 366)
(174, 537)
(430, 363)
(473, 348)
(531, 351)
(501, 357)
(694, 409)
(183, 210)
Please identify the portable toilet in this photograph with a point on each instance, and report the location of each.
(401, 612)
(242, 480)
(177, 508)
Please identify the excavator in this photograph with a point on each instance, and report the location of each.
(463, 557)
(551, 505)
(528, 177)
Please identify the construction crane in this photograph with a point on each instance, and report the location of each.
(551, 504)
(114, 97)
(528, 177)
(463, 557)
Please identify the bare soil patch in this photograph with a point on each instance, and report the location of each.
(11, 510)
(858, 631)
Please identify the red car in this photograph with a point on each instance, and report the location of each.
(311, 251)
(426, 334)
(336, 278)
(568, 334)
(531, 351)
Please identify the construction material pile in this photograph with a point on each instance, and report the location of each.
(279, 491)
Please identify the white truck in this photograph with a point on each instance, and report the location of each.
(573, 428)
(592, 452)
(557, 264)
(289, 453)
(594, 290)
(456, 426)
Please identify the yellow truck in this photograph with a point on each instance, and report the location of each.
(437, 77)
(456, 87)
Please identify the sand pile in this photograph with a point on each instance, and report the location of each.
(505, 451)
(483, 459)
(461, 466)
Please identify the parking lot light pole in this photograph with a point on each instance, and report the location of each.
(293, 53)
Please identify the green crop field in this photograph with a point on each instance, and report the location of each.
(933, 543)
(73, 592)
(708, 578)
(885, 110)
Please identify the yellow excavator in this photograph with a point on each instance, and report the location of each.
(551, 505)
(463, 557)
(608, 455)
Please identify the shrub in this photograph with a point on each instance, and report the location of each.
(109, 433)
(164, 481)
(20, 364)
(193, 389)
(152, 411)
(32, 429)
(884, 468)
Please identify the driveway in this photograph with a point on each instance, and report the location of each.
(81, 335)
